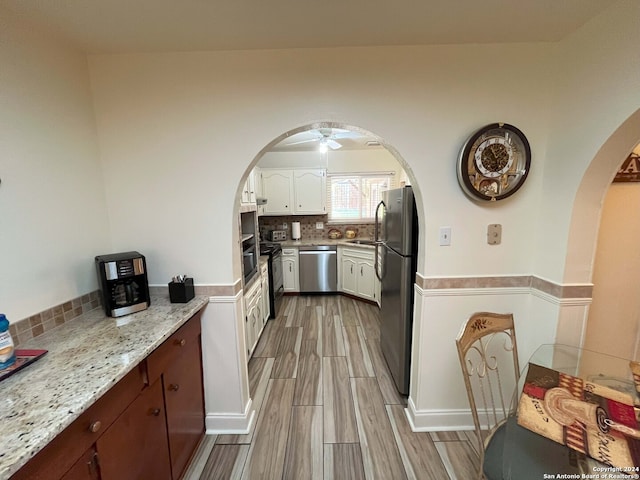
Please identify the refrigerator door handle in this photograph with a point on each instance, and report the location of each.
(375, 224)
(377, 241)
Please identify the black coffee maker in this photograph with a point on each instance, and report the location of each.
(124, 284)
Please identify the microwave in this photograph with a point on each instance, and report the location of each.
(123, 283)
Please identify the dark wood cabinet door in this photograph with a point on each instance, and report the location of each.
(135, 446)
(86, 468)
(185, 407)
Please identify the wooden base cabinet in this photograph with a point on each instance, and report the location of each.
(136, 446)
(86, 468)
(146, 427)
(182, 383)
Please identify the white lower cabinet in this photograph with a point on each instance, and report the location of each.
(254, 318)
(266, 308)
(290, 270)
(357, 273)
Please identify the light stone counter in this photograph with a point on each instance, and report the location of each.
(325, 241)
(86, 357)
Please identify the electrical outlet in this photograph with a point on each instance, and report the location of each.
(494, 234)
(445, 236)
(285, 226)
(319, 225)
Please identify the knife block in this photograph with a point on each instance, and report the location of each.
(181, 292)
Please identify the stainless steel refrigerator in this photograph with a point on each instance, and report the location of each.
(396, 234)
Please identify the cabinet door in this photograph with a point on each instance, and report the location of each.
(266, 308)
(290, 274)
(258, 320)
(366, 280)
(249, 190)
(249, 331)
(86, 468)
(349, 279)
(184, 403)
(277, 187)
(310, 191)
(135, 446)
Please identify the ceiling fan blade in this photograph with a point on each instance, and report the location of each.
(303, 141)
(333, 144)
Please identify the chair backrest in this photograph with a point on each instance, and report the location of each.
(489, 359)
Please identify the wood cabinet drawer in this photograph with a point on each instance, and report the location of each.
(167, 353)
(59, 456)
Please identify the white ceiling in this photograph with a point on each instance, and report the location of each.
(118, 26)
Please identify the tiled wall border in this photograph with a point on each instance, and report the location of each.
(35, 325)
(209, 290)
(515, 281)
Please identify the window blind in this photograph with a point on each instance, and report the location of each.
(353, 197)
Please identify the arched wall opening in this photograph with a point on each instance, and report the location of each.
(588, 206)
(320, 125)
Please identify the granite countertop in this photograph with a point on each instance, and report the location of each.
(326, 241)
(86, 357)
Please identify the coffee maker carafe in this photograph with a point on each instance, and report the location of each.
(123, 282)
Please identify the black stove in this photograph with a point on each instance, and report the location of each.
(276, 288)
(270, 248)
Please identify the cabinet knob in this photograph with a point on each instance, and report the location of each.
(155, 412)
(181, 343)
(95, 426)
(174, 387)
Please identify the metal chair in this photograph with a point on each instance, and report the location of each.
(489, 360)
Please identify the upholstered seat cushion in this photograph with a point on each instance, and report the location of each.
(493, 453)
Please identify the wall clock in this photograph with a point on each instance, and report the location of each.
(494, 162)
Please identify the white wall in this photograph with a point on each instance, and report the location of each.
(597, 88)
(192, 123)
(52, 203)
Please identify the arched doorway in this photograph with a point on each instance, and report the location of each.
(587, 211)
(293, 137)
(615, 306)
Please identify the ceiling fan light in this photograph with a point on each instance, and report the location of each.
(323, 147)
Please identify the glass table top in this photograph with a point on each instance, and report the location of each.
(542, 402)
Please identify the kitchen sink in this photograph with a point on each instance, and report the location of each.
(362, 242)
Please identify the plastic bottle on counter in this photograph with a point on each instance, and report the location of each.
(7, 350)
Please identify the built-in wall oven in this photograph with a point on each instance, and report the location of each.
(276, 285)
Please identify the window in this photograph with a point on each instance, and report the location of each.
(353, 198)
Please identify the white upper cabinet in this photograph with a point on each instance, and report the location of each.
(310, 191)
(249, 190)
(294, 192)
(277, 188)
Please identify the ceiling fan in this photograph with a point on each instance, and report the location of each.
(327, 137)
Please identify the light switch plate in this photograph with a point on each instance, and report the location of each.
(445, 236)
(494, 234)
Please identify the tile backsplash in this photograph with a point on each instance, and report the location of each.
(35, 325)
(308, 230)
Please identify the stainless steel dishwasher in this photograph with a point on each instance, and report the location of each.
(318, 268)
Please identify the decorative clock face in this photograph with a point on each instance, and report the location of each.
(494, 162)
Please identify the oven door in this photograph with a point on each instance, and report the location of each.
(277, 285)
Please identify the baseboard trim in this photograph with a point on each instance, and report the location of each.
(230, 423)
(438, 420)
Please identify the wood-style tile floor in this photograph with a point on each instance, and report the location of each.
(327, 407)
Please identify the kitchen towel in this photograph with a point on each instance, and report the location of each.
(295, 230)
